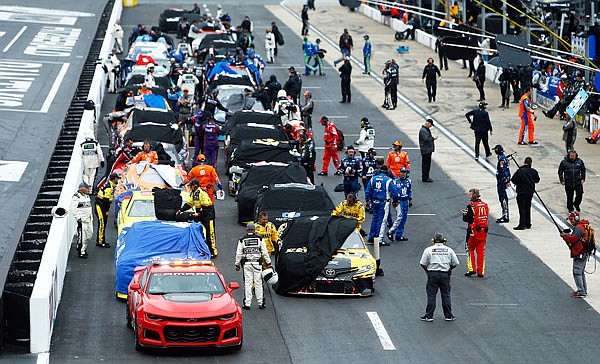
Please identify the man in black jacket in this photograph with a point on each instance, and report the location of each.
(571, 173)
(481, 125)
(525, 179)
(293, 85)
(427, 147)
(345, 73)
(273, 86)
(480, 79)
(429, 75)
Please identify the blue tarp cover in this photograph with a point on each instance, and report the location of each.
(144, 240)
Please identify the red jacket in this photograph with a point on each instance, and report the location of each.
(330, 135)
(573, 240)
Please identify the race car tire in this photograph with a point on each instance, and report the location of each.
(137, 345)
(239, 346)
(128, 316)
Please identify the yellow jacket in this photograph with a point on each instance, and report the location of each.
(268, 233)
(199, 198)
(356, 211)
(106, 193)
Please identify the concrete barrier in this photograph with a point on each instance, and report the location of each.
(47, 291)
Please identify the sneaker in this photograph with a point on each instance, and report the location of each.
(519, 228)
(480, 275)
(379, 272)
(370, 241)
(426, 319)
(451, 318)
(533, 142)
(402, 238)
(246, 307)
(428, 180)
(502, 220)
(262, 306)
(322, 174)
(522, 143)
(105, 245)
(338, 173)
(578, 295)
(476, 158)
(470, 273)
(384, 243)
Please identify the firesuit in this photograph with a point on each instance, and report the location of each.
(366, 137)
(527, 119)
(198, 140)
(308, 157)
(396, 160)
(351, 168)
(111, 68)
(354, 211)
(210, 136)
(268, 232)
(205, 214)
(368, 167)
(103, 200)
(476, 217)
(404, 190)
(207, 176)
(148, 157)
(380, 190)
(367, 55)
(330, 137)
(81, 207)
(250, 250)
(92, 157)
(502, 181)
(309, 53)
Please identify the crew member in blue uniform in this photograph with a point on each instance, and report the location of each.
(369, 166)
(351, 169)
(502, 182)
(404, 190)
(380, 191)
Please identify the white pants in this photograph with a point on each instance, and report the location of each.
(111, 82)
(89, 174)
(119, 45)
(271, 54)
(384, 220)
(252, 276)
(84, 234)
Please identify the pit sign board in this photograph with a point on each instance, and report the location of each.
(577, 103)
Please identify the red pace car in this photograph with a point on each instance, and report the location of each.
(183, 304)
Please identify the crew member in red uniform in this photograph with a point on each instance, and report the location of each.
(476, 215)
(397, 159)
(330, 136)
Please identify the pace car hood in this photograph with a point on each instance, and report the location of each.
(193, 306)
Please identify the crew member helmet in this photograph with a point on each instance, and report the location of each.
(270, 276)
(364, 122)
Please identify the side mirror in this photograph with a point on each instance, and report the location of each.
(232, 286)
(136, 286)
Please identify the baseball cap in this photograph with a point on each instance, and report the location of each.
(83, 184)
(429, 120)
(250, 226)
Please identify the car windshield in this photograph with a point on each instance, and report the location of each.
(353, 242)
(185, 282)
(142, 208)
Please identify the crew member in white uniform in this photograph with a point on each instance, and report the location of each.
(117, 34)
(92, 157)
(81, 208)
(250, 249)
(438, 261)
(111, 67)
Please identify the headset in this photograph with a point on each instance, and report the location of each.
(438, 238)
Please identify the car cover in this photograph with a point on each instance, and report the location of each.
(233, 79)
(258, 150)
(138, 79)
(158, 133)
(121, 102)
(308, 245)
(288, 201)
(258, 176)
(153, 116)
(242, 117)
(144, 240)
(213, 39)
(254, 131)
(240, 101)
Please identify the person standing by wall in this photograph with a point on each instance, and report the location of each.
(438, 261)
(92, 157)
(571, 173)
(367, 55)
(479, 79)
(525, 179)
(429, 75)
(427, 147)
(103, 200)
(117, 34)
(569, 132)
(481, 125)
(81, 208)
(440, 48)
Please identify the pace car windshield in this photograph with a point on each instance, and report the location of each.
(185, 282)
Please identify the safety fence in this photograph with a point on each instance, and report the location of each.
(47, 290)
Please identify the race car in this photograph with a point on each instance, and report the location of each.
(183, 303)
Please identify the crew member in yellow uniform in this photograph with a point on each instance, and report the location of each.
(103, 200)
(268, 232)
(351, 208)
(204, 213)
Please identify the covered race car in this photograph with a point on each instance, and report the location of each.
(183, 303)
(243, 117)
(169, 19)
(126, 95)
(137, 79)
(288, 201)
(145, 176)
(253, 131)
(324, 256)
(138, 244)
(216, 38)
(258, 150)
(260, 175)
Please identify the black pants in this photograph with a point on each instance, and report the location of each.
(394, 93)
(425, 166)
(304, 27)
(576, 190)
(431, 89)
(443, 60)
(482, 137)
(479, 85)
(504, 90)
(346, 95)
(437, 280)
(524, 203)
(310, 173)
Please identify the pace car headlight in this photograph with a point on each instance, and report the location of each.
(154, 317)
(227, 317)
(364, 269)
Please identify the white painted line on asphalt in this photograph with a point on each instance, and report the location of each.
(55, 88)
(12, 171)
(422, 214)
(311, 87)
(338, 116)
(43, 358)
(15, 39)
(2, 34)
(382, 333)
(493, 304)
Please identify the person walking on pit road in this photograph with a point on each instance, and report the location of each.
(367, 51)
(476, 215)
(250, 250)
(571, 173)
(330, 137)
(430, 74)
(525, 179)
(427, 147)
(345, 75)
(581, 242)
(481, 125)
(438, 261)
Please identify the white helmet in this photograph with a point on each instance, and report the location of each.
(281, 94)
(270, 276)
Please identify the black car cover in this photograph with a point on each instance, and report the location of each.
(158, 133)
(251, 132)
(258, 150)
(231, 80)
(215, 39)
(258, 176)
(308, 245)
(288, 201)
(169, 19)
(138, 79)
(249, 116)
(166, 203)
(146, 117)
